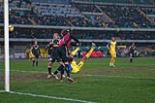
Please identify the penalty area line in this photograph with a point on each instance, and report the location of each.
(50, 97)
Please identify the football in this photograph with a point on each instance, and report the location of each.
(11, 28)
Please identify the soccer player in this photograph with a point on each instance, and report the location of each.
(112, 50)
(131, 52)
(35, 51)
(64, 46)
(53, 51)
(76, 67)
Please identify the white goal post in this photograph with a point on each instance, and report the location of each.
(6, 45)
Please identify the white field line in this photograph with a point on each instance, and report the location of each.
(81, 75)
(2, 91)
(49, 97)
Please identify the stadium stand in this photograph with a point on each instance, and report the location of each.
(77, 14)
(87, 35)
(90, 20)
(65, 13)
(122, 1)
(129, 17)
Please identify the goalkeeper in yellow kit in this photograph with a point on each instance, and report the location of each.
(112, 50)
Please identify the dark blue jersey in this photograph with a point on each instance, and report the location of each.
(35, 50)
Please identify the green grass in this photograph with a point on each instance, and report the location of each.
(97, 82)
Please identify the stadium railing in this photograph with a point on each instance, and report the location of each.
(81, 40)
(82, 28)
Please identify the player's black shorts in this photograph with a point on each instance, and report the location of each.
(52, 59)
(54, 56)
(63, 53)
(131, 54)
(36, 56)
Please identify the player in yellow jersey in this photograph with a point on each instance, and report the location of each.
(112, 50)
(76, 67)
(31, 56)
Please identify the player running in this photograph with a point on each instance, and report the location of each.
(112, 50)
(35, 52)
(131, 52)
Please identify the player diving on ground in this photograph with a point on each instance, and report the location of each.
(76, 67)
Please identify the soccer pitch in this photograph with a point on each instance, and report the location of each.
(97, 82)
